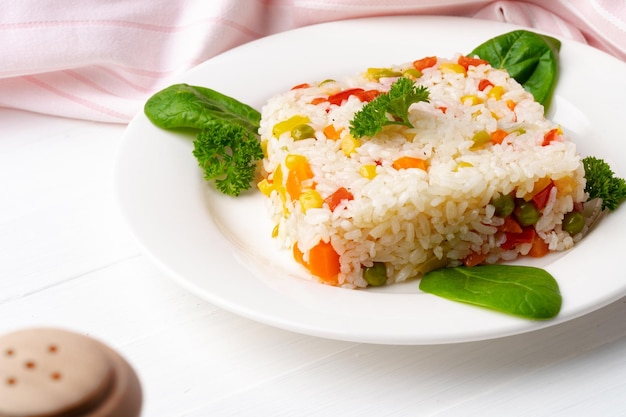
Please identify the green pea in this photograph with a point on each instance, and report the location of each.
(526, 213)
(375, 275)
(573, 222)
(302, 131)
(505, 204)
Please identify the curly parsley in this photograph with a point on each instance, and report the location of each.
(227, 153)
(602, 183)
(388, 109)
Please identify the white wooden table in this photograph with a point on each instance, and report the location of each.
(67, 259)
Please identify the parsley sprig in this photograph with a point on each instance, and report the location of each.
(602, 183)
(391, 108)
(228, 154)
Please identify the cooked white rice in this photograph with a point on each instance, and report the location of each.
(414, 220)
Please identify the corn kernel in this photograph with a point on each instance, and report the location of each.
(349, 144)
(496, 92)
(265, 187)
(368, 171)
(294, 160)
(275, 231)
(471, 100)
(310, 199)
(451, 67)
(462, 164)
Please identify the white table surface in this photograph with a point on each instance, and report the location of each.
(67, 259)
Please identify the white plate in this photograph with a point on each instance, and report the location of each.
(220, 248)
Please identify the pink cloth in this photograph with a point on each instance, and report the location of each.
(100, 60)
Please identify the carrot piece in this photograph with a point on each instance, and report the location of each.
(552, 135)
(539, 247)
(337, 197)
(324, 262)
(425, 62)
(510, 104)
(406, 162)
(484, 83)
(331, 132)
(497, 136)
(303, 85)
(541, 198)
(466, 61)
(293, 185)
(367, 96)
(339, 98)
(474, 259)
(511, 225)
(319, 100)
(299, 171)
(298, 255)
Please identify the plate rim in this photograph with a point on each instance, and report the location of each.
(513, 326)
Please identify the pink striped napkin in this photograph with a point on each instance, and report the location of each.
(97, 60)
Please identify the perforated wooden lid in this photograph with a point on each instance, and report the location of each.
(53, 372)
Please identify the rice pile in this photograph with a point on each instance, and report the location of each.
(412, 220)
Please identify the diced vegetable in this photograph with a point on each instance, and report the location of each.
(378, 73)
(375, 275)
(303, 131)
(541, 198)
(498, 136)
(426, 62)
(474, 259)
(288, 124)
(504, 205)
(407, 162)
(349, 144)
(573, 222)
(468, 61)
(324, 262)
(412, 73)
(331, 132)
(511, 225)
(265, 187)
(310, 199)
(539, 248)
(513, 239)
(480, 139)
(496, 92)
(368, 171)
(484, 83)
(526, 213)
(471, 100)
(552, 135)
(337, 197)
(299, 171)
(451, 67)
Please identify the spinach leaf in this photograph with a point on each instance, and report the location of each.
(183, 105)
(226, 145)
(522, 291)
(530, 58)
